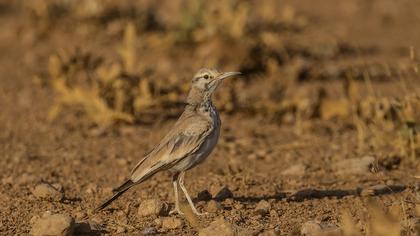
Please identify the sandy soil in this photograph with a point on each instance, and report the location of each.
(291, 166)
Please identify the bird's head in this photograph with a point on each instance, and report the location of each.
(205, 81)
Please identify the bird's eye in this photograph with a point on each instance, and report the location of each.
(206, 76)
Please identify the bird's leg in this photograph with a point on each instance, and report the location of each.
(181, 184)
(175, 184)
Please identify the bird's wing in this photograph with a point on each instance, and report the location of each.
(188, 135)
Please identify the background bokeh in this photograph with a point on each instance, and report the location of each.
(326, 111)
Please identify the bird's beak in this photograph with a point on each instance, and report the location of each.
(227, 74)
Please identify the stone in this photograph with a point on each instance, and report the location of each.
(297, 169)
(86, 227)
(54, 224)
(152, 207)
(223, 194)
(213, 206)
(316, 228)
(218, 227)
(310, 228)
(171, 223)
(204, 196)
(82, 228)
(263, 207)
(47, 192)
(354, 166)
(223, 227)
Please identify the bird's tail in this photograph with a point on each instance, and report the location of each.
(117, 192)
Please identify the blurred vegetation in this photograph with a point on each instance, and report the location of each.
(392, 221)
(153, 48)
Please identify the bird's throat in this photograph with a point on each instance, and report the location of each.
(198, 97)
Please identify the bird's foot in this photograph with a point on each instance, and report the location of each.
(201, 213)
(196, 212)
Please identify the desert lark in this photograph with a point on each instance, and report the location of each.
(190, 141)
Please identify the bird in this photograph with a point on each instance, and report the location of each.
(190, 141)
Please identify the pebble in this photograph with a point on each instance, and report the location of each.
(47, 192)
(152, 207)
(224, 193)
(218, 227)
(53, 224)
(263, 207)
(204, 196)
(82, 228)
(213, 206)
(316, 228)
(171, 223)
(223, 227)
(354, 166)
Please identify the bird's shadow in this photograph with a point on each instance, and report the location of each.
(312, 193)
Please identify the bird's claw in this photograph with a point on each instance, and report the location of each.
(201, 213)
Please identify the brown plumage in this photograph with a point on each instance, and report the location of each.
(189, 142)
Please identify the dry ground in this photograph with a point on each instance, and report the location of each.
(258, 143)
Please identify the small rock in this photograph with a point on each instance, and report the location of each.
(149, 231)
(171, 223)
(204, 196)
(218, 227)
(263, 207)
(82, 228)
(56, 224)
(213, 206)
(223, 194)
(311, 228)
(297, 169)
(222, 227)
(355, 165)
(47, 192)
(152, 207)
(318, 228)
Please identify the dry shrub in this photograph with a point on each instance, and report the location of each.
(390, 124)
(393, 221)
(105, 92)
